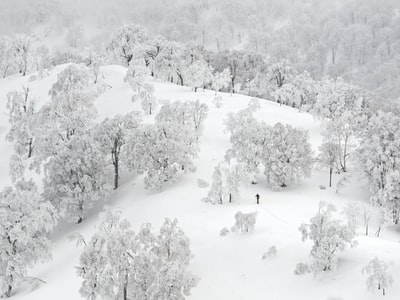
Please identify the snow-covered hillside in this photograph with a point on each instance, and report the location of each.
(229, 267)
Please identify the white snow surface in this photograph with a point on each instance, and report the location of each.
(229, 267)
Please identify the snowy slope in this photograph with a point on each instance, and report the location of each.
(229, 267)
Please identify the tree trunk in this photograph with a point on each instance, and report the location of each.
(80, 219)
(8, 293)
(345, 154)
(128, 58)
(25, 67)
(115, 161)
(5, 72)
(126, 286)
(116, 175)
(30, 148)
(230, 198)
(378, 231)
(180, 79)
(330, 176)
(116, 169)
(195, 89)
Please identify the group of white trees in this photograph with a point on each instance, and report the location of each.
(57, 138)
(379, 156)
(283, 151)
(82, 160)
(185, 64)
(119, 264)
(325, 45)
(22, 119)
(226, 181)
(331, 236)
(26, 222)
(166, 148)
(79, 156)
(17, 54)
(75, 169)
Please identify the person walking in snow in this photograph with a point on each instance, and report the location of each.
(258, 198)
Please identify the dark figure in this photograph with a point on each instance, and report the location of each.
(258, 198)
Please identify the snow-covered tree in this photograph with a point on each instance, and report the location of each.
(244, 222)
(21, 113)
(75, 82)
(328, 157)
(235, 174)
(287, 156)
(170, 64)
(234, 61)
(70, 111)
(341, 106)
(379, 277)
(216, 193)
(287, 95)
(301, 268)
(379, 155)
(117, 263)
(221, 80)
(168, 147)
(77, 176)
(271, 252)
(366, 216)
(6, 59)
(25, 223)
(248, 138)
(173, 244)
(198, 75)
(173, 150)
(154, 48)
(23, 52)
(306, 91)
(329, 236)
(173, 282)
(382, 217)
(335, 97)
(342, 133)
(112, 134)
(94, 60)
(76, 172)
(105, 262)
(280, 72)
(197, 113)
(135, 77)
(353, 216)
(188, 113)
(149, 101)
(128, 43)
